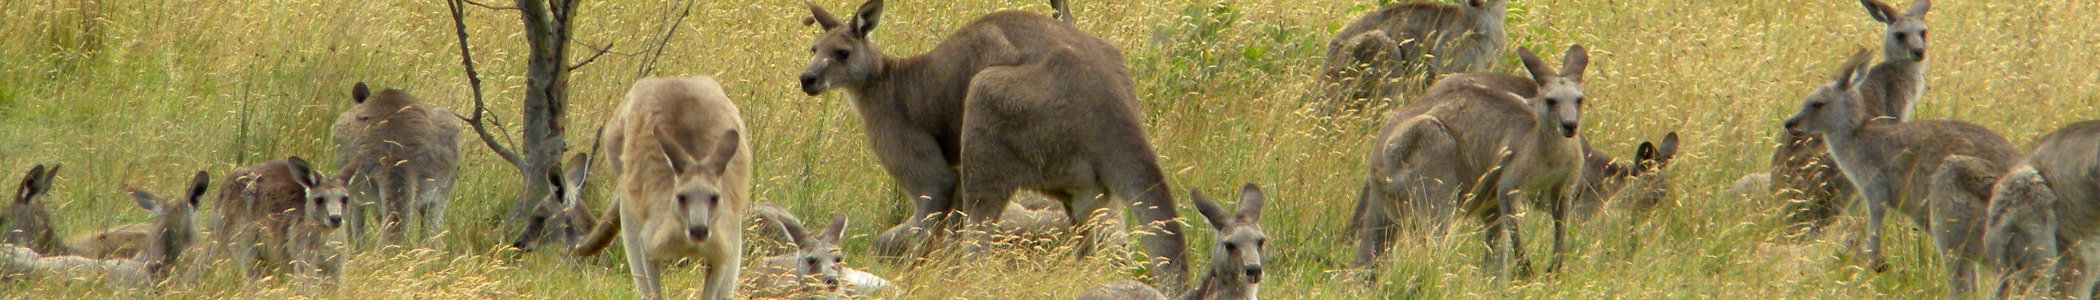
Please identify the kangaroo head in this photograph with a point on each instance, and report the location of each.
(173, 226)
(842, 55)
(1236, 257)
(698, 191)
(326, 197)
(1559, 102)
(1486, 8)
(1834, 106)
(2021, 231)
(1645, 177)
(1906, 30)
(817, 257)
(562, 210)
(28, 222)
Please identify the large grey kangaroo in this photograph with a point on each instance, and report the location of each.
(1406, 45)
(1012, 100)
(405, 155)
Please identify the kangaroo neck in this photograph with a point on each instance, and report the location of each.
(1848, 148)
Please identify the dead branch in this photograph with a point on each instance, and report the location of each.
(648, 64)
(466, 57)
(490, 6)
(594, 56)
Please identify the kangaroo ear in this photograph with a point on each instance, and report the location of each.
(44, 185)
(1918, 9)
(1540, 73)
(1572, 64)
(1644, 154)
(579, 171)
(1668, 149)
(1250, 203)
(675, 154)
(360, 92)
(725, 149)
(1851, 68)
(1219, 220)
(145, 199)
(819, 17)
(556, 187)
(1881, 12)
(198, 184)
(833, 232)
(865, 19)
(28, 188)
(302, 172)
(790, 225)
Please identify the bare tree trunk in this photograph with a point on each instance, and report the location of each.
(547, 32)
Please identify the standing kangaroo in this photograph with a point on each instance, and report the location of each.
(281, 215)
(169, 233)
(1486, 142)
(684, 180)
(1890, 162)
(32, 226)
(1414, 42)
(2062, 174)
(1235, 259)
(562, 215)
(1012, 100)
(405, 154)
(1803, 171)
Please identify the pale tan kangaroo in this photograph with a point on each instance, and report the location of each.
(561, 216)
(1460, 141)
(31, 226)
(972, 117)
(278, 217)
(812, 271)
(2062, 171)
(684, 180)
(1404, 47)
(169, 233)
(405, 154)
(1891, 162)
(1802, 171)
(1235, 259)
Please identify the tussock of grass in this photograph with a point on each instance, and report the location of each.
(142, 93)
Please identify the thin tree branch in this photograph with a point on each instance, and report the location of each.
(466, 57)
(594, 56)
(648, 64)
(490, 6)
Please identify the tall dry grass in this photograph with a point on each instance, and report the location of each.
(141, 92)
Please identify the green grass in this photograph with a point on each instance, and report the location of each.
(144, 93)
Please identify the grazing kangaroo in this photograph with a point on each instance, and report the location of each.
(32, 225)
(2062, 173)
(1890, 162)
(813, 270)
(684, 180)
(1410, 41)
(1464, 139)
(280, 215)
(1803, 172)
(169, 233)
(562, 214)
(2021, 250)
(1235, 259)
(974, 115)
(405, 154)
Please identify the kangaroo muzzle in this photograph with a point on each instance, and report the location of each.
(1252, 273)
(1567, 129)
(696, 233)
(334, 221)
(811, 84)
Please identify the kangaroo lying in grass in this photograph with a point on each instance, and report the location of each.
(30, 225)
(684, 180)
(1235, 259)
(169, 233)
(280, 217)
(969, 120)
(1414, 42)
(561, 216)
(1460, 140)
(816, 269)
(405, 155)
(1891, 162)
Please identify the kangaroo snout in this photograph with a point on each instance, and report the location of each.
(1920, 53)
(697, 233)
(811, 84)
(335, 221)
(1567, 129)
(1253, 273)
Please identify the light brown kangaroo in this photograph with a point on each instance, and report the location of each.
(973, 117)
(31, 225)
(405, 154)
(813, 270)
(169, 234)
(1465, 139)
(562, 215)
(278, 216)
(1412, 42)
(2063, 172)
(1235, 259)
(1803, 173)
(684, 180)
(1890, 162)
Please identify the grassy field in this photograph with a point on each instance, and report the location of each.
(146, 92)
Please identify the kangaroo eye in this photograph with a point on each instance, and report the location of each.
(841, 53)
(1921, 34)
(711, 199)
(1900, 35)
(813, 261)
(1817, 105)
(1229, 247)
(1261, 243)
(1578, 101)
(682, 200)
